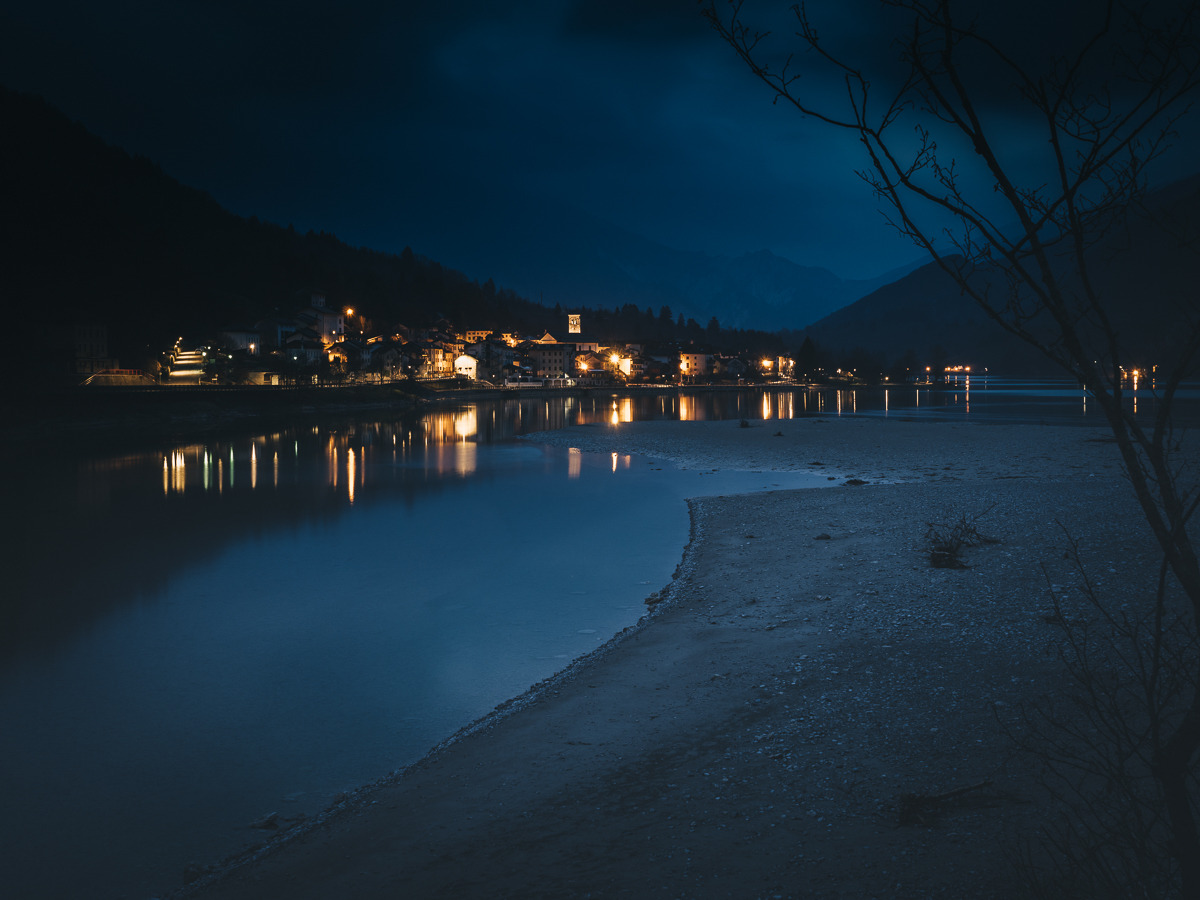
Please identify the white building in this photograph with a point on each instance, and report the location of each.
(467, 366)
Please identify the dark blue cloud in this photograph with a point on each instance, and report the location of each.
(635, 21)
(397, 123)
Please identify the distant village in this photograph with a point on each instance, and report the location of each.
(324, 344)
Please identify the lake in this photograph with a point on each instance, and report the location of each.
(202, 634)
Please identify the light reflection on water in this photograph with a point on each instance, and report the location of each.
(253, 624)
(963, 397)
(444, 440)
(198, 632)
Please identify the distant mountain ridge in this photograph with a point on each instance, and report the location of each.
(1147, 269)
(580, 260)
(95, 234)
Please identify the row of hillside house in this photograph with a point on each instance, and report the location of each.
(316, 333)
(302, 337)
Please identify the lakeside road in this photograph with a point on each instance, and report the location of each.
(805, 669)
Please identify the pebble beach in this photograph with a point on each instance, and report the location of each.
(757, 733)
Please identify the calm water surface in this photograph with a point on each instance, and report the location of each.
(204, 634)
(979, 399)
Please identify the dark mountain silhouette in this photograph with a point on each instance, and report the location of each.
(93, 235)
(1147, 269)
(922, 319)
(96, 236)
(561, 255)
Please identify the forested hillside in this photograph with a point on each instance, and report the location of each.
(1146, 268)
(92, 234)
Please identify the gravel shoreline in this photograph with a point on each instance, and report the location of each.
(804, 671)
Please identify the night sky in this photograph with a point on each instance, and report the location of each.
(393, 124)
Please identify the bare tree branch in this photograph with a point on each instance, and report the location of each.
(1109, 109)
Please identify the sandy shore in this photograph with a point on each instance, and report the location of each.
(804, 670)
